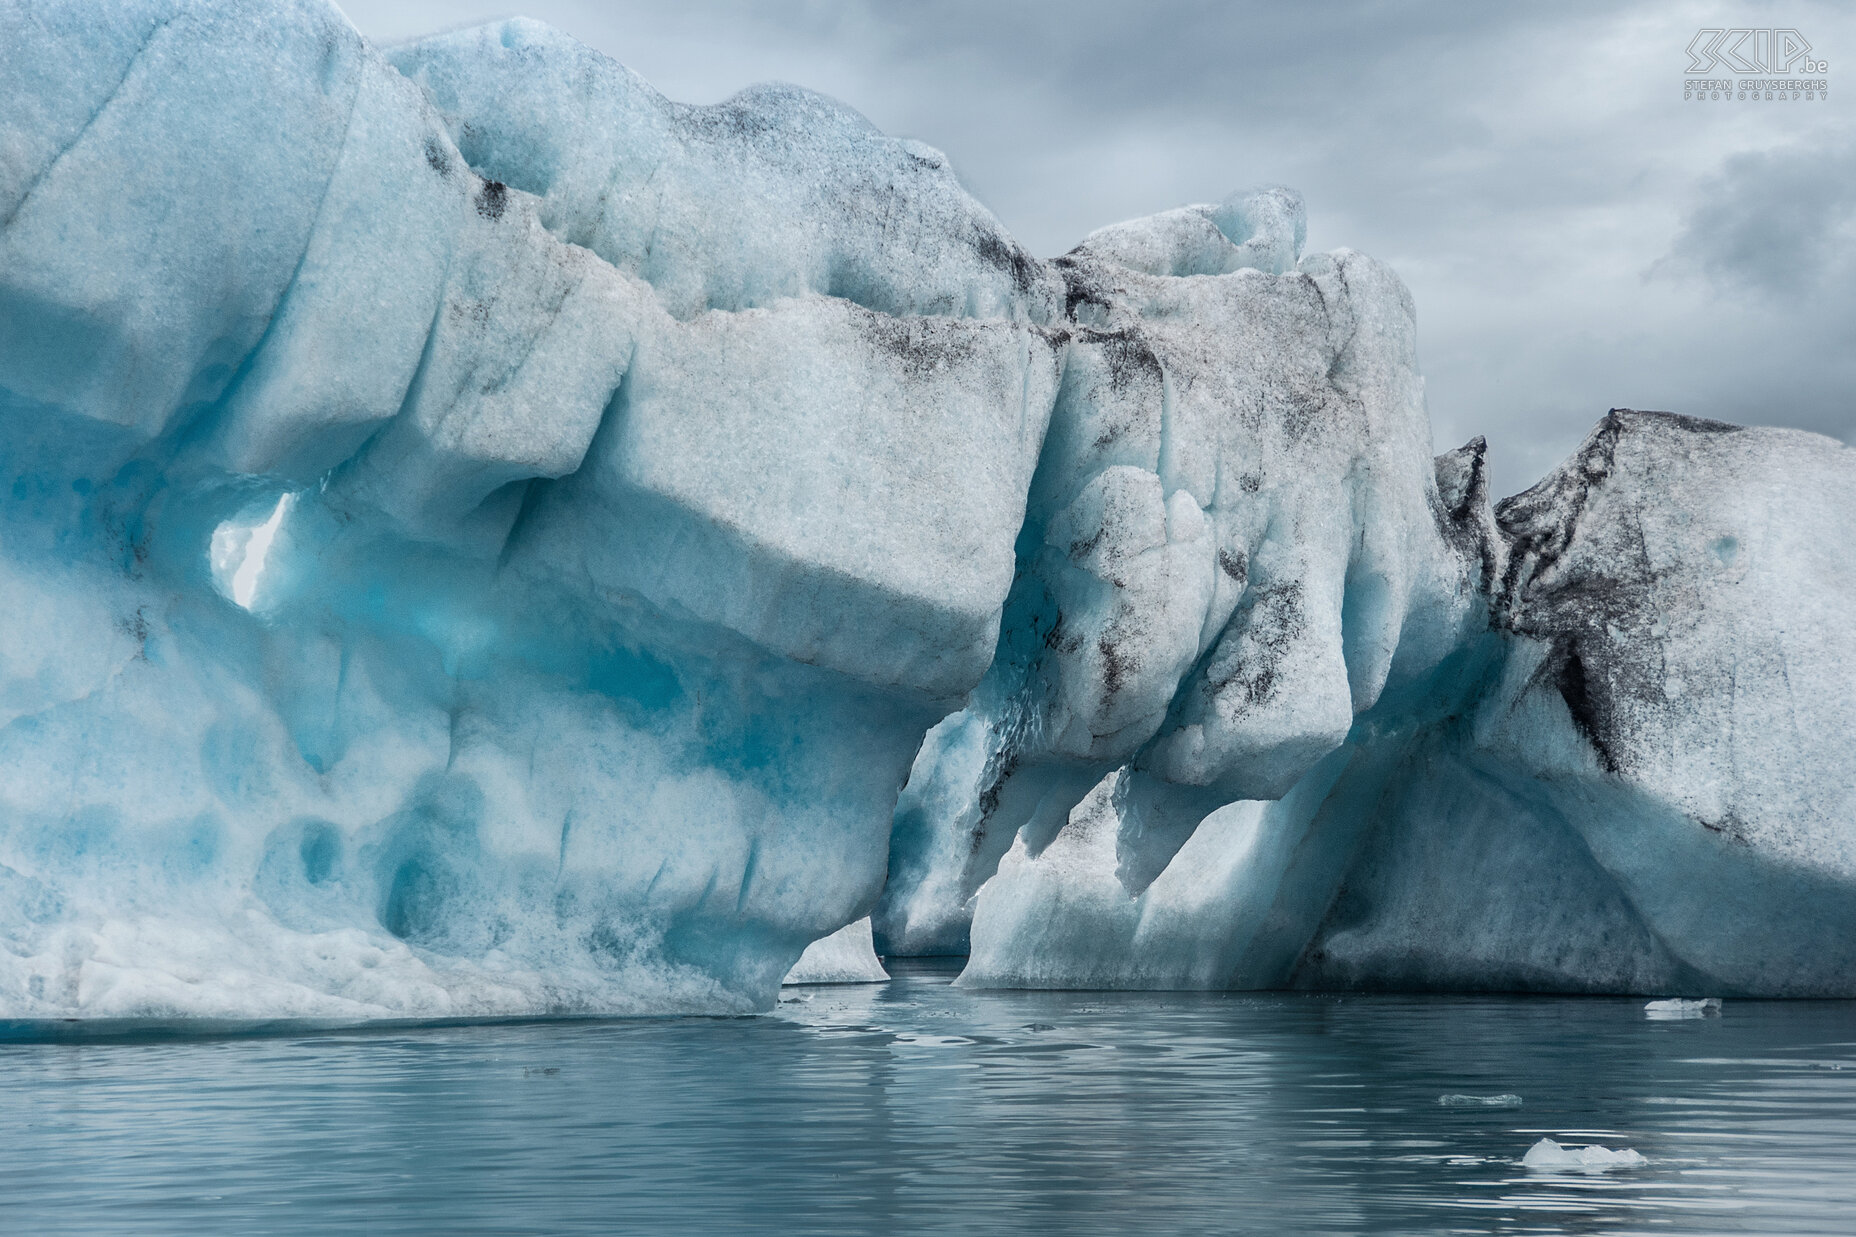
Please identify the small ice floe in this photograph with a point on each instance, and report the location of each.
(1504, 1100)
(1682, 1007)
(918, 1039)
(847, 956)
(1548, 1155)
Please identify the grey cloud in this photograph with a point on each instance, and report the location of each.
(1775, 220)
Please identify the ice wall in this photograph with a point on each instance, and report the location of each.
(436, 585)
(478, 538)
(1635, 780)
(1232, 547)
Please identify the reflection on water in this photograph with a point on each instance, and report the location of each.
(913, 1107)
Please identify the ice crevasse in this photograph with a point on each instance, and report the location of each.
(478, 538)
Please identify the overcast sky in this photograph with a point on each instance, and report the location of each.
(1576, 235)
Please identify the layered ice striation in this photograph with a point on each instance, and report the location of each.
(454, 573)
(478, 538)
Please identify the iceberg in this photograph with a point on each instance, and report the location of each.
(1549, 1156)
(435, 588)
(1623, 778)
(480, 539)
(1505, 1100)
(1680, 1007)
(847, 956)
(1230, 550)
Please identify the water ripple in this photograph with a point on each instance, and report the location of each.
(913, 1107)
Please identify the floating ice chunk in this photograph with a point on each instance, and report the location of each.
(1681, 1007)
(921, 1039)
(1547, 1155)
(847, 956)
(1504, 1100)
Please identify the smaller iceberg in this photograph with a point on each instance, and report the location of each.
(1682, 1007)
(1504, 1100)
(1547, 1155)
(847, 956)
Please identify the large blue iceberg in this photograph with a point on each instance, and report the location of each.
(480, 539)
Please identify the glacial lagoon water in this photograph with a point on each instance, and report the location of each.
(917, 1107)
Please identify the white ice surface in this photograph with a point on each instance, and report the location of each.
(1680, 1007)
(1504, 1100)
(1549, 1156)
(414, 609)
(845, 957)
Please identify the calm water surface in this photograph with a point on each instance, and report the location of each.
(914, 1107)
